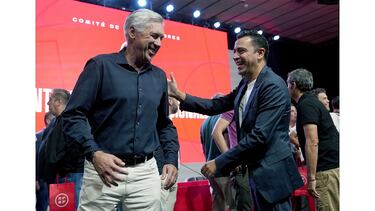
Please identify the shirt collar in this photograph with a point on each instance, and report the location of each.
(121, 60)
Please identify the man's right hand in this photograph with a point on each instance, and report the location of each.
(109, 167)
(173, 91)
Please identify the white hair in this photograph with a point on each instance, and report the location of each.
(139, 19)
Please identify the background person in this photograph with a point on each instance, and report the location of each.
(319, 141)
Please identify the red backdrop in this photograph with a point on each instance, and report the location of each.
(68, 33)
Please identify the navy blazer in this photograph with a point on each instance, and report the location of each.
(263, 135)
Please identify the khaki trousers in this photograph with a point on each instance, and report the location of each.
(140, 190)
(328, 187)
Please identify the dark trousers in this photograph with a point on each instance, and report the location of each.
(260, 204)
(42, 196)
(240, 181)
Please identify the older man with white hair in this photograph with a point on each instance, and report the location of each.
(125, 100)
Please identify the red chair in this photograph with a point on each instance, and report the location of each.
(194, 195)
(302, 191)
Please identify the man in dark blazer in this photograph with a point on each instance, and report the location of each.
(262, 108)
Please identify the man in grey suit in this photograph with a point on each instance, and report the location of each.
(262, 108)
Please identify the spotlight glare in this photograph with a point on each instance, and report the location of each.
(170, 8)
(217, 24)
(260, 32)
(237, 30)
(196, 13)
(142, 3)
(276, 37)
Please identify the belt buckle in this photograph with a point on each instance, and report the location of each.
(130, 161)
(139, 159)
(137, 156)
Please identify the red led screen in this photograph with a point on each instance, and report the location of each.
(68, 33)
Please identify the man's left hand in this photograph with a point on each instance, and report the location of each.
(170, 173)
(209, 169)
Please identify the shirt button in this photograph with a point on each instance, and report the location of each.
(137, 123)
(140, 106)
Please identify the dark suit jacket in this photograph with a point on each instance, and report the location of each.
(263, 136)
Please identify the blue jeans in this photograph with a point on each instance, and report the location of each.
(119, 207)
(77, 179)
(42, 196)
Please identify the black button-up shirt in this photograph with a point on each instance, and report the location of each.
(127, 110)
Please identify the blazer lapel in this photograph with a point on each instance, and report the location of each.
(254, 91)
(237, 100)
(241, 92)
(249, 102)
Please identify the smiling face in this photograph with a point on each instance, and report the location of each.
(324, 99)
(246, 56)
(148, 42)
